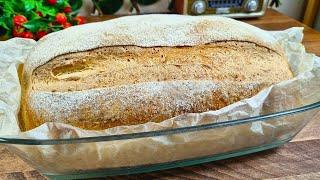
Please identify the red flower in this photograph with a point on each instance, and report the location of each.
(52, 2)
(19, 20)
(67, 9)
(61, 18)
(40, 34)
(80, 20)
(27, 34)
(66, 25)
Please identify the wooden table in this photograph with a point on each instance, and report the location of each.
(299, 159)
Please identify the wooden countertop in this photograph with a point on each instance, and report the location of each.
(299, 159)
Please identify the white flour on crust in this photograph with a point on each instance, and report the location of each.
(146, 31)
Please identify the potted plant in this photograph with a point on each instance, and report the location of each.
(35, 18)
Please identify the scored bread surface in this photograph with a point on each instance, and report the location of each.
(120, 73)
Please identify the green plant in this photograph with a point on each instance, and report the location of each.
(36, 18)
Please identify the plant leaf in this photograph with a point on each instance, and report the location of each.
(45, 10)
(7, 9)
(29, 5)
(3, 23)
(35, 25)
(75, 4)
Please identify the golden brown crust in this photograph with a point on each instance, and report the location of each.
(147, 31)
(153, 108)
(118, 85)
(123, 65)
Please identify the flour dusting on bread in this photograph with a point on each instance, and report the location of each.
(133, 70)
(147, 31)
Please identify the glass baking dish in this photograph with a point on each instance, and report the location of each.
(146, 152)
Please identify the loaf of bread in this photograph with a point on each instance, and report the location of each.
(138, 69)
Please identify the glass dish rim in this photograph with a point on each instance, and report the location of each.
(106, 138)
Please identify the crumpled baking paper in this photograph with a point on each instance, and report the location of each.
(302, 90)
(12, 53)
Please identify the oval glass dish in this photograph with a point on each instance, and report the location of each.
(151, 151)
(267, 120)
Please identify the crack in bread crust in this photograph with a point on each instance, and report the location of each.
(126, 85)
(113, 73)
(123, 65)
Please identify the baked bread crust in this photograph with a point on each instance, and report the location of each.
(121, 74)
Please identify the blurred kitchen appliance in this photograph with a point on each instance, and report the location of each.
(229, 8)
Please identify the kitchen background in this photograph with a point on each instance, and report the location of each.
(35, 18)
(292, 8)
(295, 9)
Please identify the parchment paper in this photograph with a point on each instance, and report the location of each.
(302, 90)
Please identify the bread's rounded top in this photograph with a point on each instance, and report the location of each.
(146, 31)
